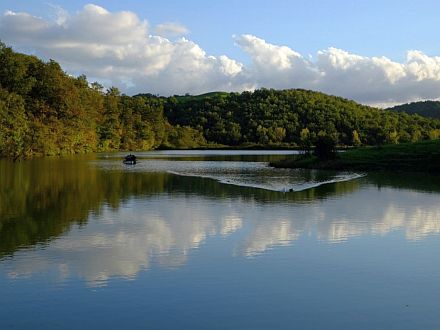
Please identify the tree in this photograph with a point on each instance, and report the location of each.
(14, 128)
(14, 71)
(356, 138)
(110, 129)
(434, 134)
(416, 135)
(306, 141)
(393, 137)
(325, 147)
(96, 86)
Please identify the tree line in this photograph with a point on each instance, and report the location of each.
(45, 111)
(423, 108)
(295, 117)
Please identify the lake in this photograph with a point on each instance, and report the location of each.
(215, 240)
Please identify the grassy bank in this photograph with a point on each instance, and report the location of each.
(415, 157)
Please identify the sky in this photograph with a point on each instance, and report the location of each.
(375, 52)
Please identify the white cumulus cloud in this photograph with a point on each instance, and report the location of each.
(118, 48)
(171, 29)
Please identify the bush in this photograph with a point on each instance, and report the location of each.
(325, 147)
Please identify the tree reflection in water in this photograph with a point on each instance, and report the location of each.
(97, 224)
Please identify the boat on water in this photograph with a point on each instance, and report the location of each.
(129, 159)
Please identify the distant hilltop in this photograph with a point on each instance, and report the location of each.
(429, 109)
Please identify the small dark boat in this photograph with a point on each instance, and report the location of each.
(130, 159)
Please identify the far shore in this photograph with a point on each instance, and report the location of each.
(408, 157)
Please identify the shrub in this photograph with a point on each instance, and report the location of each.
(325, 147)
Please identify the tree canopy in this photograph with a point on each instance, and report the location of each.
(45, 111)
(423, 108)
(295, 117)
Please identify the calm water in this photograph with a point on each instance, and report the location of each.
(215, 240)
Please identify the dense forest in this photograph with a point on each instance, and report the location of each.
(423, 108)
(44, 111)
(297, 117)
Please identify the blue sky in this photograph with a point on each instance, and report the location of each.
(366, 28)
(373, 27)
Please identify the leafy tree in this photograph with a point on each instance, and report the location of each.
(325, 147)
(356, 138)
(110, 129)
(393, 137)
(434, 134)
(306, 140)
(416, 135)
(14, 127)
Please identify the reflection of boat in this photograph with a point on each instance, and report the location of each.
(130, 159)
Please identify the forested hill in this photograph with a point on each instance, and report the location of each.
(44, 111)
(424, 108)
(295, 117)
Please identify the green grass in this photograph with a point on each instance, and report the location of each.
(414, 157)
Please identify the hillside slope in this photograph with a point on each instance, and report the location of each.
(429, 109)
(294, 116)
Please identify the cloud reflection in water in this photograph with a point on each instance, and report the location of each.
(162, 231)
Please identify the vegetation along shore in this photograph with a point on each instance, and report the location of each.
(46, 112)
(414, 157)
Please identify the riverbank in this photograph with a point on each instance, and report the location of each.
(249, 146)
(413, 157)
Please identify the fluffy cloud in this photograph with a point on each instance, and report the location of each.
(118, 49)
(171, 30)
(372, 80)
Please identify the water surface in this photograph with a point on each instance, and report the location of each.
(215, 239)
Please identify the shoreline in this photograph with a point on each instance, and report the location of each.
(408, 157)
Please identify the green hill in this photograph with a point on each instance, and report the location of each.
(45, 111)
(294, 117)
(429, 109)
